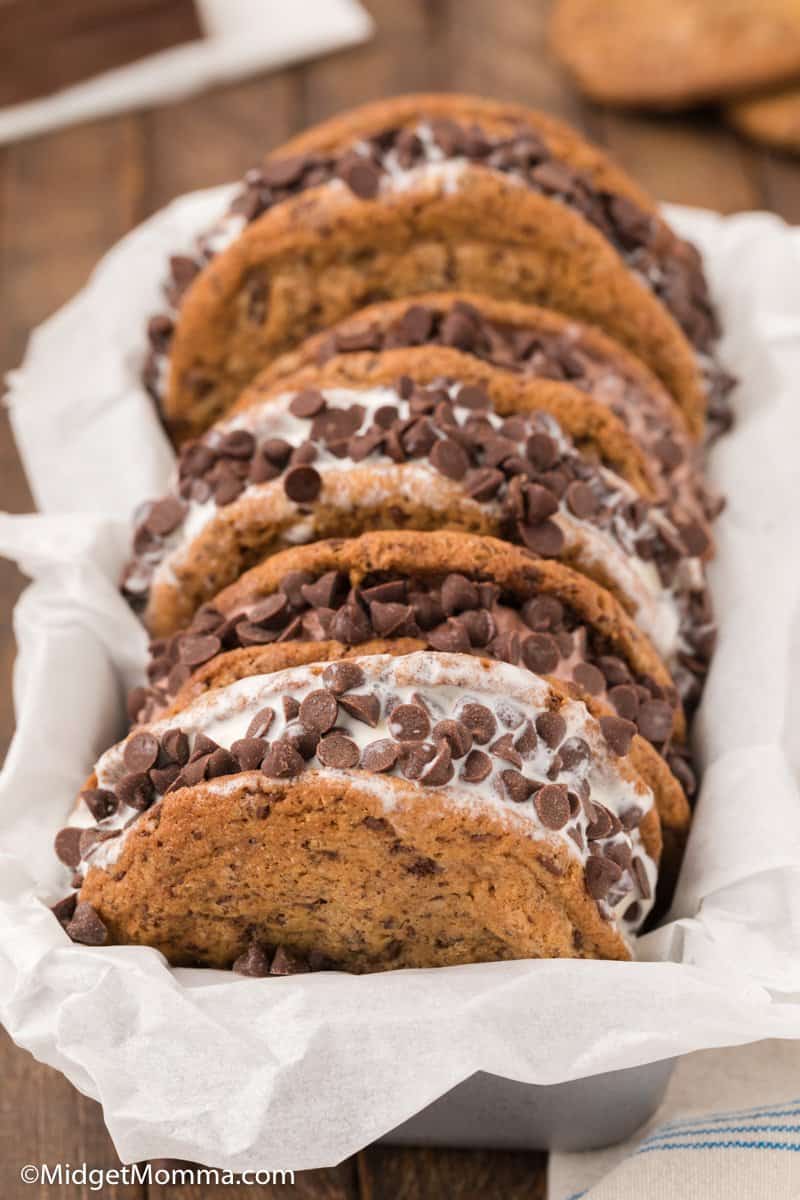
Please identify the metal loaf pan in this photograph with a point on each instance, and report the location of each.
(489, 1112)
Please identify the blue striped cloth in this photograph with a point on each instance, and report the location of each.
(733, 1153)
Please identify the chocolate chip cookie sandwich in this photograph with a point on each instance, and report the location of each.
(418, 194)
(426, 438)
(374, 813)
(534, 343)
(446, 592)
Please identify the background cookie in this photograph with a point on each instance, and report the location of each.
(773, 119)
(669, 55)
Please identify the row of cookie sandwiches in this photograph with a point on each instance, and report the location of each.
(449, 411)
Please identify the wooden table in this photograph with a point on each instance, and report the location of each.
(66, 198)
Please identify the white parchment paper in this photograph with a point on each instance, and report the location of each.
(300, 1072)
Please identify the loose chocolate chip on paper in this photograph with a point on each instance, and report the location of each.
(63, 910)
(255, 962)
(338, 751)
(287, 963)
(86, 926)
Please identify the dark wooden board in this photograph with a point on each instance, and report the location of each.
(67, 197)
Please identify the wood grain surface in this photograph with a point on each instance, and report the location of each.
(67, 197)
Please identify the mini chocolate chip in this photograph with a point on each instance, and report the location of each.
(164, 516)
(260, 723)
(451, 637)
(342, 676)
(328, 591)
(141, 752)
(67, 846)
(63, 910)
(254, 962)
(620, 854)
(450, 459)
(602, 824)
(552, 805)
(540, 653)
(363, 706)
(282, 761)
(539, 503)
(305, 741)
(618, 733)
(625, 700)
(360, 174)
(388, 619)
(271, 612)
(175, 746)
(483, 483)
(351, 625)
(545, 539)
(302, 484)
(640, 875)
(633, 913)
(195, 649)
(573, 752)
(552, 728)
(479, 720)
(503, 748)
(136, 791)
(248, 634)
(415, 757)
(601, 874)
(543, 613)
(86, 926)
(542, 451)
(589, 678)
(440, 769)
(477, 767)
(239, 443)
(526, 741)
(250, 753)
(287, 963)
(458, 594)
(100, 802)
(162, 778)
(631, 818)
(409, 723)
(472, 395)
(291, 707)
(581, 500)
(227, 489)
(655, 720)
(338, 751)
(307, 403)
(518, 787)
(202, 746)
(456, 734)
(381, 755)
(193, 773)
(221, 762)
(318, 711)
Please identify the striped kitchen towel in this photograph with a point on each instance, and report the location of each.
(729, 1129)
